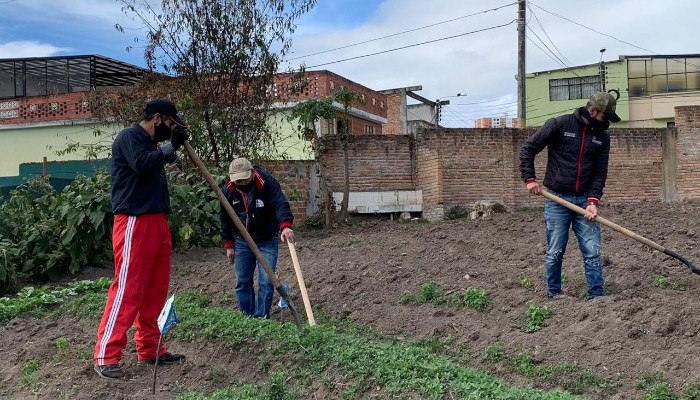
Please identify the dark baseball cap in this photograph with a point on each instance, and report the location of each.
(606, 103)
(164, 108)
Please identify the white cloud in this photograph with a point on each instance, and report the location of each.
(29, 48)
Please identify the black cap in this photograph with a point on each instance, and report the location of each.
(164, 108)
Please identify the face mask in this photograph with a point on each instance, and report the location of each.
(162, 132)
(247, 187)
(594, 123)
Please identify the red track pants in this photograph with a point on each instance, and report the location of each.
(142, 247)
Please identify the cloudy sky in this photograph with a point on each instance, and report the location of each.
(472, 45)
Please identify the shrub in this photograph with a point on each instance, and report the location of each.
(457, 212)
(536, 316)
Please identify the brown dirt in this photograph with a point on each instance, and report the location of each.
(361, 271)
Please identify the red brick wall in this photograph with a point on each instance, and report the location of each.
(393, 126)
(688, 151)
(45, 108)
(377, 163)
(460, 166)
(322, 84)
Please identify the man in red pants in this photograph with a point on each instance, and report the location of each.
(141, 239)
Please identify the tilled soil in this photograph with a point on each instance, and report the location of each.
(362, 271)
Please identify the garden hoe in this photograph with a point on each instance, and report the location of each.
(241, 229)
(620, 229)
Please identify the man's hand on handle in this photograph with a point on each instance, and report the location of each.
(592, 212)
(534, 187)
(287, 235)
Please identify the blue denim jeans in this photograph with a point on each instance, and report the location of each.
(244, 265)
(558, 219)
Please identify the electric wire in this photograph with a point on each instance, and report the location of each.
(400, 33)
(414, 45)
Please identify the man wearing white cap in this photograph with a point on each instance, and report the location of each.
(264, 211)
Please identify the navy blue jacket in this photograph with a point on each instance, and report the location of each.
(577, 162)
(267, 213)
(138, 181)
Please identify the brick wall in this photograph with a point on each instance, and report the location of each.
(393, 116)
(460, 166)
(688, 151)
(376, 163)
(45, 108)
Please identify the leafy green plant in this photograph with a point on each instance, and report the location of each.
(35, 301)
(536, 316)
(494, 353)
(430, 293)
(472, 297)
(30, 370)
(62, 349)
(564, 278)
(83, 352)
(660, 282)
(406, 297)
(44, 234)
(524, 282)
(195, 217)
(457, 212)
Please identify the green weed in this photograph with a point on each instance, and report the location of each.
(62, 349)
(430, 293)
(494, 352)
(457, 212)
(524, 282)
(472, 297)
(349, 242)
(30, 370)
(535, 316)
(660, 282)
(406, 297)
(83, 352)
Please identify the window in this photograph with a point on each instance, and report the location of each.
(495, 122)
(649, 76)
(369, 130)
(573, 88)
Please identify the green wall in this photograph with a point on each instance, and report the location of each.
(539, 109)
(31, 144)
(289, 145)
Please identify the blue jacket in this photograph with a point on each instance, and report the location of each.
(267, 213)
(138, 181)
(577, 156)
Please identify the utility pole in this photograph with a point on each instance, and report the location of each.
(521, 63)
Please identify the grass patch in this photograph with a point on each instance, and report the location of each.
(30, 371)
(347, 352)
(35, 301)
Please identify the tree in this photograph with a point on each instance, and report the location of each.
(307, 114)
(346, 97)
(223, 56)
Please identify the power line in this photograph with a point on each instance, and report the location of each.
(532, 12)
(413, 45)
(400, 33)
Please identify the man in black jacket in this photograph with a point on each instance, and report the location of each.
(141, 239)
(263, 210)
(578, 147)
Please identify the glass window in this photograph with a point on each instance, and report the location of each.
(658, 67)
(79, 75)
(636, 68)
(638, 87)
(657, 84)
(676, 83)
(35, 78)
(7, 79)
(676, 65)
(694, 81)
(573, 88)
(56, 76)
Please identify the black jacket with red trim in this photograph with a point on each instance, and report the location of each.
(267, 213)
(577, 160)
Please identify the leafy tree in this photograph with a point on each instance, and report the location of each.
(308, 113)
(346, 97)
(221, 57)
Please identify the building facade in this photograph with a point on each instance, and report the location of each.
(649, 88)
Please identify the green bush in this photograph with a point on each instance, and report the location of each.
(44, 234)
(458, 212)
(195, 217)
(536, 316)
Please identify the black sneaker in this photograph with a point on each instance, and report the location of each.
(112, 371)
(165, 359)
